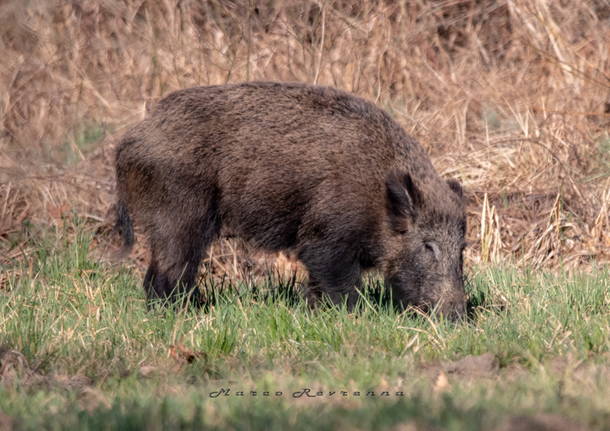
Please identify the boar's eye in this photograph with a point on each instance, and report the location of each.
(433, 249)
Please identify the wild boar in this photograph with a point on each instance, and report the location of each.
(311, 170)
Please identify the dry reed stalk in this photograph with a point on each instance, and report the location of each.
(495, 90)
(491, 240)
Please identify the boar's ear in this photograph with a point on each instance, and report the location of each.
(456, 187)
(404, 198)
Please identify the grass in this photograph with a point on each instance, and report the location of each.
(80, 350)
(510, 98)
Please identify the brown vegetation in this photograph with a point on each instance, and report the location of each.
(511, 97)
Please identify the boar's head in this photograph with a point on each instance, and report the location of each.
(423, 261)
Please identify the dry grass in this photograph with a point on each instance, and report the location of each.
(511, 97)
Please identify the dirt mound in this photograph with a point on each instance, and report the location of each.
(540, 422)
(15, 369)
(485, 365)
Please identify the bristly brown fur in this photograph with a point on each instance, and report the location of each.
(296, 167)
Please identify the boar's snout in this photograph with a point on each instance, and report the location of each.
(452, 303)
(430, 294)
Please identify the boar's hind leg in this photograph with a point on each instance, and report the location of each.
(176, 253)
(335, 277)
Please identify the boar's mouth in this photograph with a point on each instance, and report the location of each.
(407, 295)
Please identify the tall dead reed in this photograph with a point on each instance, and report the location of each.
(512, 97)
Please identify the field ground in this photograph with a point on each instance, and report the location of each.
(81, 351)
(510, 97)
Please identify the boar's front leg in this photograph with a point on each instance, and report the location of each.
(334, 274)
(176, 252)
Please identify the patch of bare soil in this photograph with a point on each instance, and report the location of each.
(91, 399)
(412, 426)
(485, 365)
(6, 422)
(540, 422)
(467, 368)
(14, 367)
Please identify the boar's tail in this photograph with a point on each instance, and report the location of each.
(124, 226)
